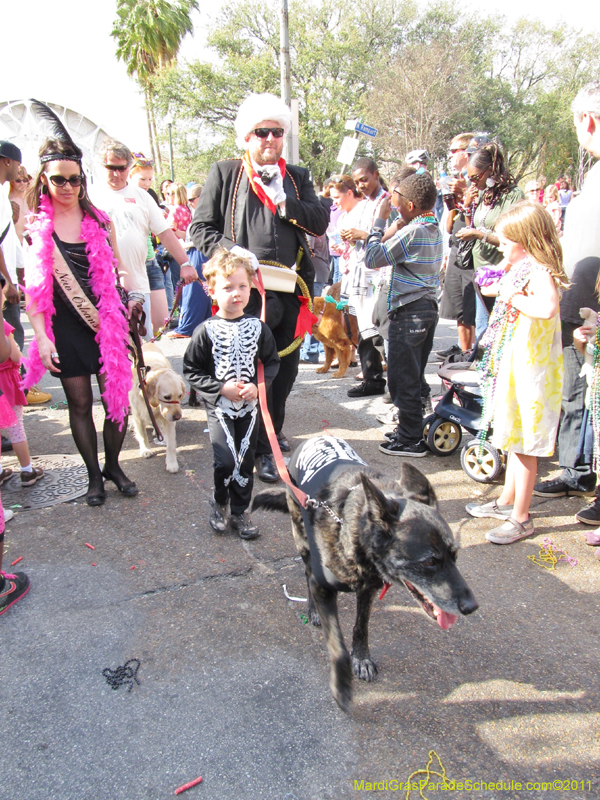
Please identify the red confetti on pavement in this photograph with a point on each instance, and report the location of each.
(91, 546)
(93, 565)
(189, 785)
(16, 561)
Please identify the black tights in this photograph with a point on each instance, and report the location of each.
(80, 399)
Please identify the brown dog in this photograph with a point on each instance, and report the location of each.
(332, 331)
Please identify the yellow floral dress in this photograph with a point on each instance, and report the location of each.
(528, 393)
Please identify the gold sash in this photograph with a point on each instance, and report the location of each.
(73, 291)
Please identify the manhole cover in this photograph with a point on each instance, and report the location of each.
(65, 478)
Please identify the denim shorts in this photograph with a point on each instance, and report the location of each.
(155, 275)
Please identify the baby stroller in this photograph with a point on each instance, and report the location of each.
(460, 408)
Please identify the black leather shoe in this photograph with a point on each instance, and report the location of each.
(284, 445)
(6, 445)
(266, 470)
(366, 389)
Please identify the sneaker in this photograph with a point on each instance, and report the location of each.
(6, 475)
(558, 488)
(391, 436)
(444, 354)
(242, 523)
(389, 418)
(511, 531)
(491, 510)
(8, 514)
(398, 448)
(366, 389)
(218, 517)
(31, 476)
(590, 515)
(14, 588)
(35, 396)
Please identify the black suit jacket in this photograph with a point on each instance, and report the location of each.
(224, 196)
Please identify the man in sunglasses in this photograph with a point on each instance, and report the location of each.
(135, 215)
(265, 208)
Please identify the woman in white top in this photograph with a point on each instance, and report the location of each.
(346, 196)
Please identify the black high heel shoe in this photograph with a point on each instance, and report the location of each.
(127, 489)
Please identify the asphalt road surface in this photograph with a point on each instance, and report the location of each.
(233, 684)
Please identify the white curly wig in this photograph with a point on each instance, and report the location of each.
(258, 108)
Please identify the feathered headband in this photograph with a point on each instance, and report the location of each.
(59, 132)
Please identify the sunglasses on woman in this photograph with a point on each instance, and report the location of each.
(263, 133)
(60, 180)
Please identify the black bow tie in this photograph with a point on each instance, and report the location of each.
(265, 176)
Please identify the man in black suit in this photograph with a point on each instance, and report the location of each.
(264, 208)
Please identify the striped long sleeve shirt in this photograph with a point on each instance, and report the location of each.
(414, 255)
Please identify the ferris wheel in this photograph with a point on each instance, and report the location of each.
(21, 124)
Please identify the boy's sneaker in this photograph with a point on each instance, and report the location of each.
(450, 351)
(31, 476)
(558, 488)
(13, 588)
(218, 517)
(397, 448)
(590, 515)
(242, 524)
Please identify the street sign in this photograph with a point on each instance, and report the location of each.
(366, 130)
(348, 150)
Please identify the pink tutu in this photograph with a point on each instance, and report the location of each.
(7, 415)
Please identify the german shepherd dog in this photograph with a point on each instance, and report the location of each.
(364, 531)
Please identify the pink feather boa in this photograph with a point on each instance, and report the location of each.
(113, 336)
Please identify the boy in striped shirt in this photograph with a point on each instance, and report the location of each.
(414, 257)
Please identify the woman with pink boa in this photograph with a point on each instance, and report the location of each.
(75, 309)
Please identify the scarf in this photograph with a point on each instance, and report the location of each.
(257, 188)
(113, 336)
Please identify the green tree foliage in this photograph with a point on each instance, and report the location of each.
(148, 34)
(418, 74)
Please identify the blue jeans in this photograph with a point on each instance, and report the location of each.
(311, 347)
(481, 316)
(411, 332)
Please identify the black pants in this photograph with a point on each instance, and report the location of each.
(232, 440)
(12, 314)
(370, 359)
(411, 333)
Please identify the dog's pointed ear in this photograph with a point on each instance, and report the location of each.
(416, 486)
(381, 508)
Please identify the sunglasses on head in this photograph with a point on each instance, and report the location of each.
(115, 167)
(337, 179)
(263, 133)
(60, 180)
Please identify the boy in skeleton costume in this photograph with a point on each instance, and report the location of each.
(220, 363)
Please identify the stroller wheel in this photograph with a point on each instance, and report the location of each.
(484, 469)
(443, 437)
(427, 424)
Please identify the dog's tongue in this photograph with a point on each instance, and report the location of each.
(444, 620)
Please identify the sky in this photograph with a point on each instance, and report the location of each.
(62, 52)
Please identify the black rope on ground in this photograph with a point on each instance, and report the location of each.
(123, 675)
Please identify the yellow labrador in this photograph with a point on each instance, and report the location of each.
(166, 390)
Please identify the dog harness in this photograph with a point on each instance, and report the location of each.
(318, 462)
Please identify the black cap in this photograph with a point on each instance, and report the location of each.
(477, 142)
(10, 150)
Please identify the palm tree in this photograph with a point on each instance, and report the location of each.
(148, 35)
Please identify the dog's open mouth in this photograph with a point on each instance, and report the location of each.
(443, 619)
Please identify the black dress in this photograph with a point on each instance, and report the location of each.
(76, 346)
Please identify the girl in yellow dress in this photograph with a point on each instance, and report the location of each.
(521, 365)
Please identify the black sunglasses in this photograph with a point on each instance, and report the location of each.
(476, 178)
(60, 180)
(263, 133)
(115, 167)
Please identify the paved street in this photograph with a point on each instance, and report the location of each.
(233, 685)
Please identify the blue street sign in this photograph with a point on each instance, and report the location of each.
(367, 130)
